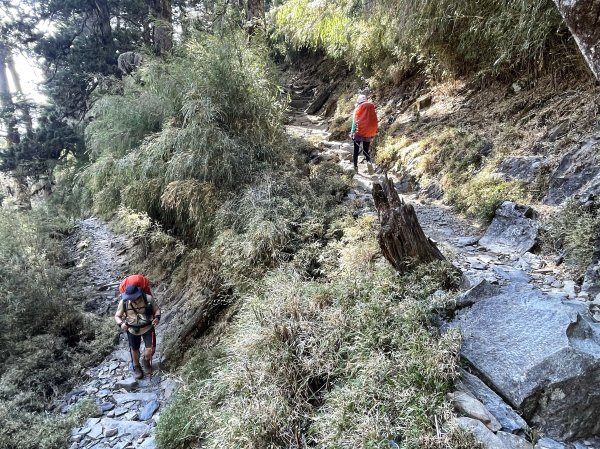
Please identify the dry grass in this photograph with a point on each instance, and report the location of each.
(572, 233)
(389, 38)
(348, 359)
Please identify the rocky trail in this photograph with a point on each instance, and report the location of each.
(531, 343)
(129, 409)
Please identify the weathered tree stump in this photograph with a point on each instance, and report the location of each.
(401, 237)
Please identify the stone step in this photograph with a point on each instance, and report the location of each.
(120, 398)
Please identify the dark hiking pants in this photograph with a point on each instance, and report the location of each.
(365, 150)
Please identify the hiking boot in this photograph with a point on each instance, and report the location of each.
(355, 169)
(147, 367)
(137, 372)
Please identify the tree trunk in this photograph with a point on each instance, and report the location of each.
(6, 102)
(22, 104)
(255, 14)
(583, 19)
(401, 237)
(103, 21)
(162, 20)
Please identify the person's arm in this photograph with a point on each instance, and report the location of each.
(354, 125)
(156, 314)
(119, 315)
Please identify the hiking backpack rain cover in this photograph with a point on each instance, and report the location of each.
(366, 120)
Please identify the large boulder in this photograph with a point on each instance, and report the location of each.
(513, 230)
(540, 354)
(524, 169)
(578, 173)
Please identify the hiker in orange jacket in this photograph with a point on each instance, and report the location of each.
(364, 129)
(137, 315)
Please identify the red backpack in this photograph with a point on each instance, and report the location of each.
(138, 280)
(366, 120)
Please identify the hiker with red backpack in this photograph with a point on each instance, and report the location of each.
(364, 129)
(138, 314)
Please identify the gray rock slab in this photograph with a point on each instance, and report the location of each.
(120, 411)
(591, 280)
(121, 398)
(512, 441)
(132, 416)
(107, 406)
(134, 429)
(522, 169)
(104, 393)
(149, 443)
(548, 443)
(110, 432)
(541, 355)
(512, 274)
(466, 241)
(148, 410)
(481, 433)
(529, 261)
(577, 173)
(90, 422)
(509, 419)
(95, 432)
(484, 289)
(128, 384)
(512, 230)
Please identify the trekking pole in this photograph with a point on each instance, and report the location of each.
(130, 355)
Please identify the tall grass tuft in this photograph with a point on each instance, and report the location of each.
(572, 233)
(191, 132)
(442, 36)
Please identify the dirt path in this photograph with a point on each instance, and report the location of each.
(129, 408)
(456, 236)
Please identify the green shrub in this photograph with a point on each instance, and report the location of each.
(572, 232)
(442, 36)
(218, 127)
(273, 219)
(480, 195)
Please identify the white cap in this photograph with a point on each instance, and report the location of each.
(361, 99)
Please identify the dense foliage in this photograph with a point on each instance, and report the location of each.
(195, 129)
(392, 37)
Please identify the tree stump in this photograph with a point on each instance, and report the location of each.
(401, 237)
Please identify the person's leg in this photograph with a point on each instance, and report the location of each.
(366, 146)
(134, 346)
(149, 348)
(356, 151)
